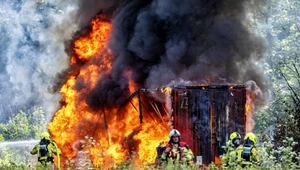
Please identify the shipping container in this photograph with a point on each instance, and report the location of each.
(206, 116)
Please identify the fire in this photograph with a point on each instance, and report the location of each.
(112, 134)
(89, 45)
(147, 153)
(249, 111)
(167, 90)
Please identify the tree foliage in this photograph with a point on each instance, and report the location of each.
(23, 126)
(289, 125)
(282, 66)
(14, 154)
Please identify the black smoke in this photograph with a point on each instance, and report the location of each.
(90, 8)
(164, 42)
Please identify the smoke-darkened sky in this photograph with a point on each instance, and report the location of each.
(168, 42)
(163, 42)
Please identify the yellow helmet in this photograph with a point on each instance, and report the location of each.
(45, 135)
(234, 135)
(251, 136)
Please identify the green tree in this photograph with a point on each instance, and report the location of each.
(289, 126)
(24, 126)
(282, 66)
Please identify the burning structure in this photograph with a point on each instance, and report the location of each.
(136, 44)
(207, 115)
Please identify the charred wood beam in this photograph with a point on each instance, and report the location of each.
(136, 93)
(140, 107)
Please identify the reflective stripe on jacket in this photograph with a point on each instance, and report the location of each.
(52, 149)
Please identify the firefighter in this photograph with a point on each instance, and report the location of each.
(176, 150)
(232, 150)
(249, 156)
(45, 151)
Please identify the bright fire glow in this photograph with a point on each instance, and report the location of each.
(249, 110)
(87, 46)
(115, 134)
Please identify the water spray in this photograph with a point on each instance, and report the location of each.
(20, 143)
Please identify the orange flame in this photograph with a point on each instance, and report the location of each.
(115, 133)
(87, 46)
(249, 110)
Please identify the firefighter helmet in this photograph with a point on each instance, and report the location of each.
(234, 139)
(251, 136)
(234, 135)
(45, 135)
(173, 133)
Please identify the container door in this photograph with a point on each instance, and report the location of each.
(199, 106)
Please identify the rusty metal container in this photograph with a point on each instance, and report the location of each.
(206, 115)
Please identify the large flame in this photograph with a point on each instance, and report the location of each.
(114, 135)
(249, 110)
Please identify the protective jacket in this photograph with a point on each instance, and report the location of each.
(249, 156)
(233, 148)
(231, 156)
(179, 152)
(45, 150)
(252, 159)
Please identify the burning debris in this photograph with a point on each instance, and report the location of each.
(152, 44)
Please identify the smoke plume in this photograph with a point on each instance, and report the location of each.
(33, 53)
(162, 42)
(211, 42)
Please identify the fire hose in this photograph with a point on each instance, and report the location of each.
(58, 155)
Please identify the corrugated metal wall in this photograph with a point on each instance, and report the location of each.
(182, 115)
(206, 115)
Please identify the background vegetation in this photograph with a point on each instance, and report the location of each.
(278, 124)
(282, 64)
(18, 136)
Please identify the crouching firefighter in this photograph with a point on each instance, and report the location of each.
(45, 151)
(177, 151)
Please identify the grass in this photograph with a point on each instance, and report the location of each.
(271, 158)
